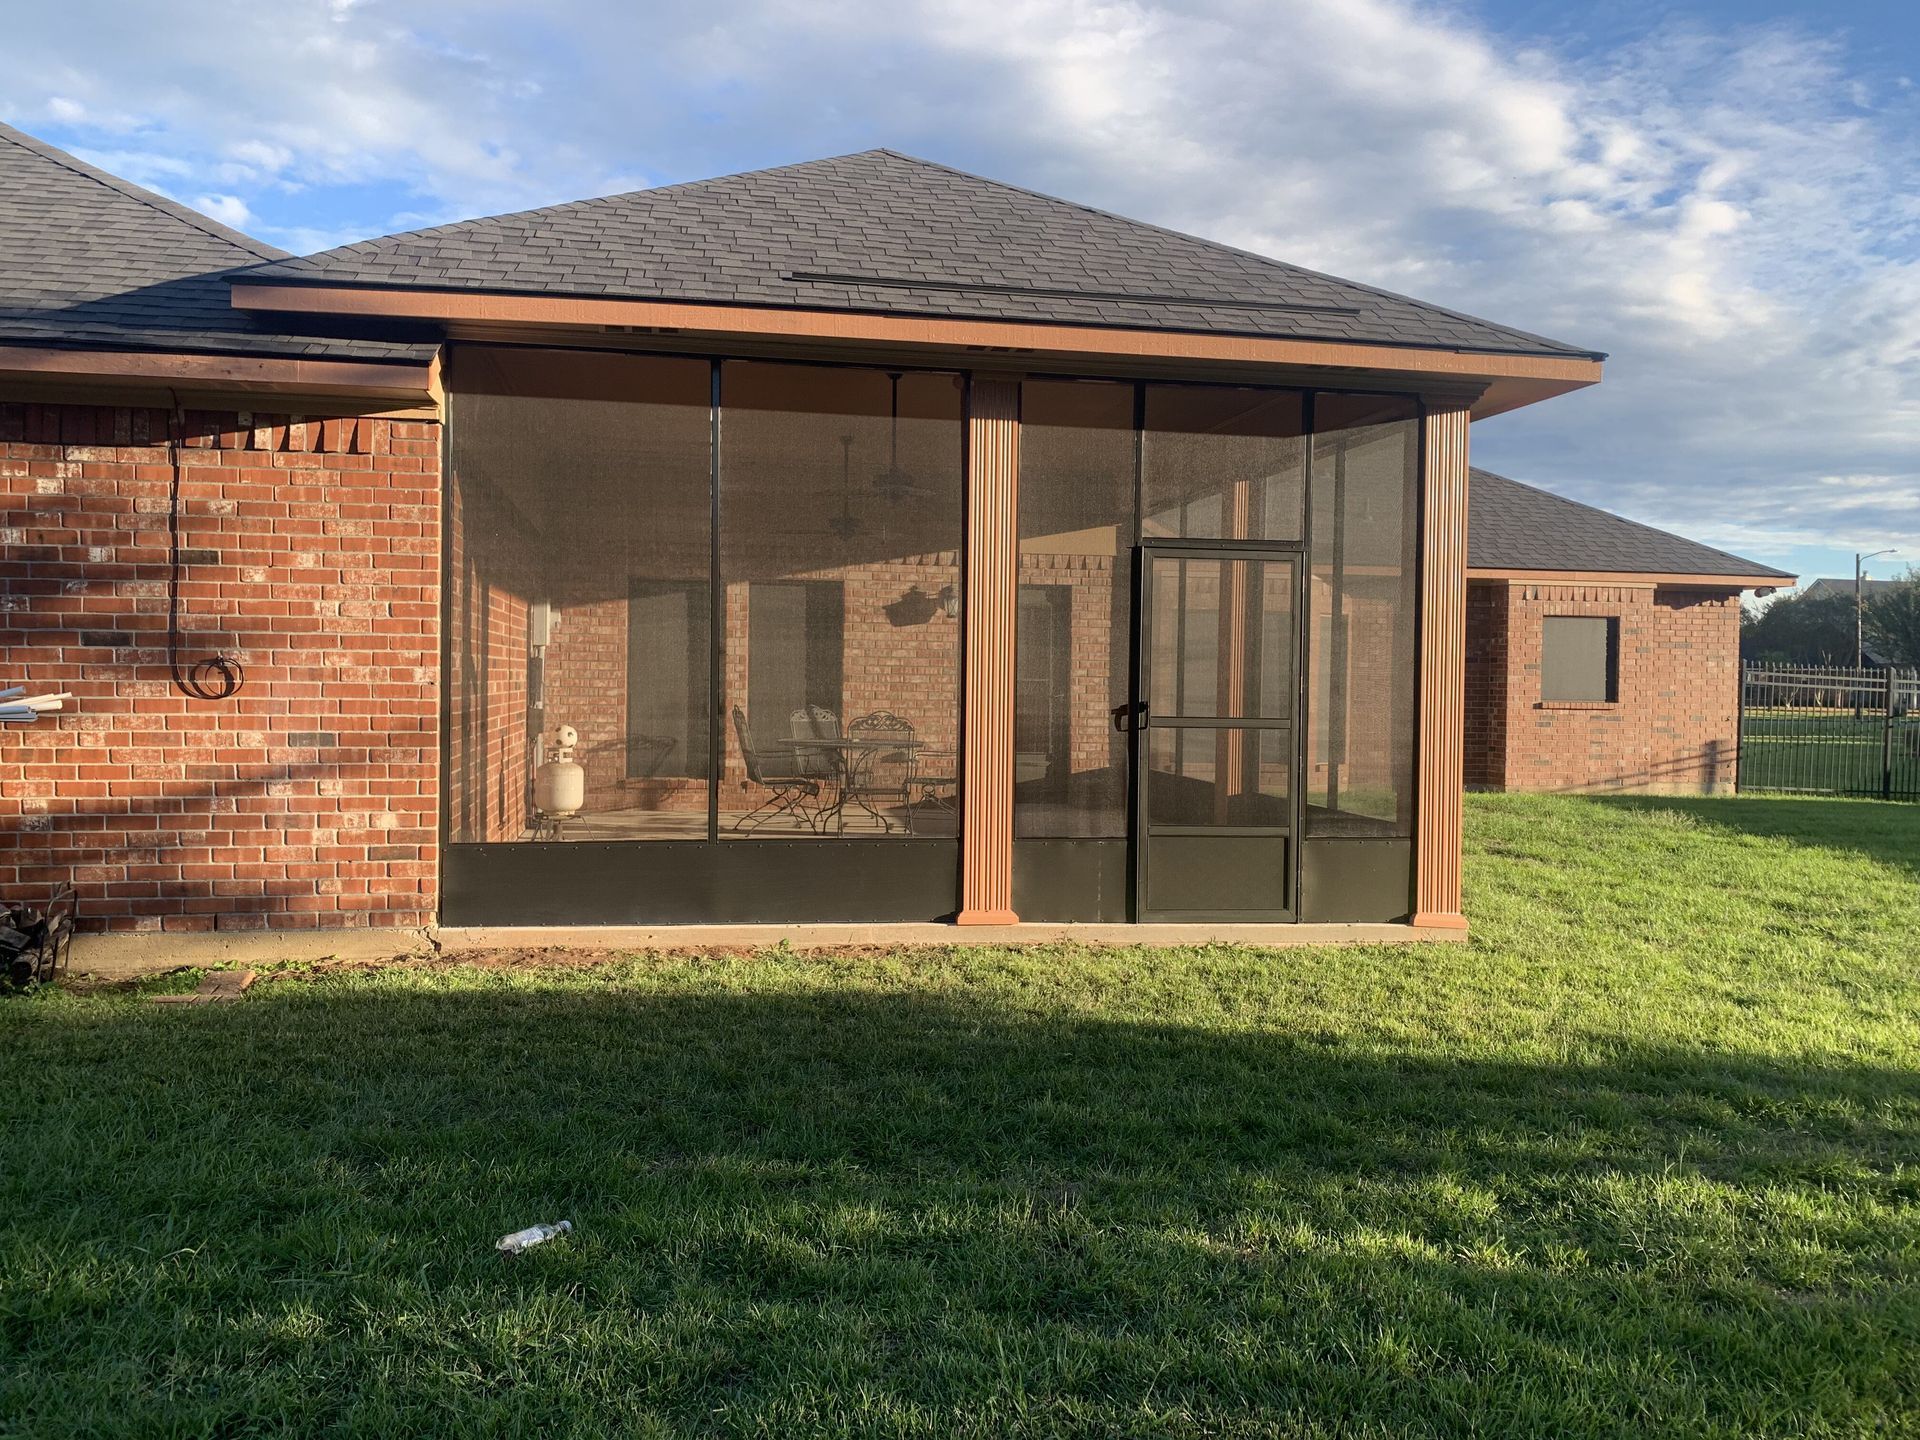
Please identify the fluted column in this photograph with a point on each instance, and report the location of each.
(992, 594)
(1443, 664)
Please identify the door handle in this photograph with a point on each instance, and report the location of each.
(1127, 718)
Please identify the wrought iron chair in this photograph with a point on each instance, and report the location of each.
(882, 774)
(935, 783)
(788, 790)
(814, 722)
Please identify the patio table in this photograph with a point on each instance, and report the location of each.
(851, 759)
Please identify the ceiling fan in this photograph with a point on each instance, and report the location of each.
(893, 483)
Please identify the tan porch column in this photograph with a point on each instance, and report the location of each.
(1443, 665)
(993, 578)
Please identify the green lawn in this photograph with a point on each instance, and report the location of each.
(1644, 1158)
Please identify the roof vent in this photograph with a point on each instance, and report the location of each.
(971, 287)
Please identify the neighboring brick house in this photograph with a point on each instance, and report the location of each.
(815, 500)
(1602, 654)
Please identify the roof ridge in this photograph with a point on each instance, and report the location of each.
(1478, 471)
(172, 209)
(1227, 249)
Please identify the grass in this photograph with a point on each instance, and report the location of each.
(1643, 1158)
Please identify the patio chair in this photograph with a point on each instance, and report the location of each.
(935, 783)
(882, 775)
(814, 722)
(788, 790)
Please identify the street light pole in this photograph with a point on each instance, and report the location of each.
(1859, 606)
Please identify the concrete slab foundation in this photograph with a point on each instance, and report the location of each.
(112, 957)
(828, 937)
(118, 957)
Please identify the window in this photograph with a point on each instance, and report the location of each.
(1042, 684)
(796, 638)
(1580, 659)
(667, 664)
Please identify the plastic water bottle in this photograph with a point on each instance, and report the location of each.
(531, 1236)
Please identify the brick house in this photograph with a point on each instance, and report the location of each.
(854, 541)
(1602, 654)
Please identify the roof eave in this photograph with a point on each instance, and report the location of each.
(392, 384)
(1506, 381)
(1706, 580)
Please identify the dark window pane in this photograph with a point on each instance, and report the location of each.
(1224, 464)
(1218, 776)
(797, 632)
(1579, 658)
(580, 548)
(1043, 680)
(1363, 601)
(667, 664)
(840, 537)
(1074, 661)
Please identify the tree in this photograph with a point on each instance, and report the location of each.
(1799, 629)
(1893, 620)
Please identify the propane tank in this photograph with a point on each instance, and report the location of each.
(560, 785)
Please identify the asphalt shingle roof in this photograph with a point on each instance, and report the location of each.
(1511, 526)
(881, 232)
(88, 260)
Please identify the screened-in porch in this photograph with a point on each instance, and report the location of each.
(728, 599)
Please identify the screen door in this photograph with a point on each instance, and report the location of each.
(1214, 710)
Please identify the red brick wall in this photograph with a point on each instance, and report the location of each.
(307, 800)
(1675, 725)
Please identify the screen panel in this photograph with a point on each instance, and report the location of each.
(578, 483)
(1363, 604)
(1073, 662)
(1222, 638)
(841, 519)
(1224, 463)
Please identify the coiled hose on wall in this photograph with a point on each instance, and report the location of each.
(216, 677)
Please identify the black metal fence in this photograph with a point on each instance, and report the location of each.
(1830, 730)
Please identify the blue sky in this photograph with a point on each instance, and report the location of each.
(1724, 195)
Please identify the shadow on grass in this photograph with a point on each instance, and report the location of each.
(921, 1213)
(1885, 831)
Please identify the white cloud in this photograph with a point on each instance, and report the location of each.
(1731, 212)
(227, 209)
